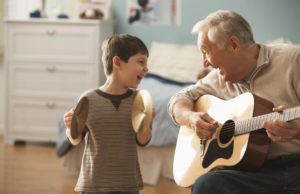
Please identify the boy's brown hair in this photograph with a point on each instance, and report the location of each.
(123, 46)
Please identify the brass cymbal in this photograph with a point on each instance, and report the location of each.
(142, 108)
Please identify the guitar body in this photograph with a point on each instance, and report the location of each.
(248, 150)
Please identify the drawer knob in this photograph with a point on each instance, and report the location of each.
(51, 68)
(50, 105)
(51, 32)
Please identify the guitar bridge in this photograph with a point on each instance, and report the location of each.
(202, 146)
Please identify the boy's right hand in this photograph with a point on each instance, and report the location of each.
(68, 118)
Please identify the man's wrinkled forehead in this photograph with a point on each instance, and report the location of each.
(202, 37)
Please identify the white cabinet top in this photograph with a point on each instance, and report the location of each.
(61, 21)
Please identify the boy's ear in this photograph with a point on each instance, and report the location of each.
(116, 61)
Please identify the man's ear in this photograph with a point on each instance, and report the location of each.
(234, 43)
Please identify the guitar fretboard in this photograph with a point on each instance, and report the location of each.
(255, 123)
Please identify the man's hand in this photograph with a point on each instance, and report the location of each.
(203, 124)
(281, 131)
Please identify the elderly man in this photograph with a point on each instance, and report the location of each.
(241, 65)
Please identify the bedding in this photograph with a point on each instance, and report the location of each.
(180, 63)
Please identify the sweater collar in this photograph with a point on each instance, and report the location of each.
(262, 61)
(263, 57)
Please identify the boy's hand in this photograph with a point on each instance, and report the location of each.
(153, 116)
(68, 118)
(145, 136)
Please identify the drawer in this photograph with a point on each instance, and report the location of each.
(36, 116)
(51, 80)
(31, 42)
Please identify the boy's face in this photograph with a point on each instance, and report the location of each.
(133, 71)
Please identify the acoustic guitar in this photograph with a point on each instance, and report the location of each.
(239, 141)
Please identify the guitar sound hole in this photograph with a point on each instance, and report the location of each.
(227, 131)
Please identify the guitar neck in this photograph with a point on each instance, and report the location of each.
(255, 123)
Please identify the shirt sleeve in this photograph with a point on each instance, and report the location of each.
(296, 80)
(190, 94)
(80, 116)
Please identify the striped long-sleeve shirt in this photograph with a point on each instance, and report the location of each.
(110, 161)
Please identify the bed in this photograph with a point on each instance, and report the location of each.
(171, 68)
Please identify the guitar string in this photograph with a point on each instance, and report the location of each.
(257, 121)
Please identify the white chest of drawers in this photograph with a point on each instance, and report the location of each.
(48, 64)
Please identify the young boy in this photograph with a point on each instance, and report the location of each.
(110, 163)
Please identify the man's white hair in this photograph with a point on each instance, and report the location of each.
(222, 24)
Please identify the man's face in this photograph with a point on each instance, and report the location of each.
(222, 59)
